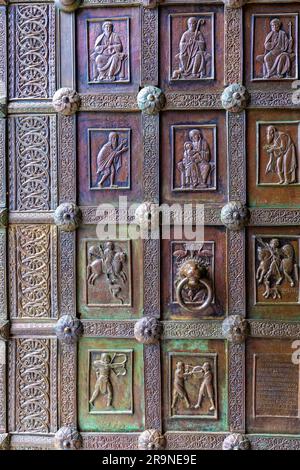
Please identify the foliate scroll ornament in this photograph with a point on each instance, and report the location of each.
(151, 100)
(66, 101)
(4, 330)
(151, 439)
(67, 5)
(67, 438)
(67, 217)
(3, 218)
(147, 216)
(68, 329)
(194, 291)
(235, 215)
(235, 329)
(235, 98)
(234, 3)
(236, 442)
(148, 330)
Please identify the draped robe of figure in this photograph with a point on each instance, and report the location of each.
(193, 57)
(202, 147)
(108, 57)
(285, 157)
(277, 59)
(105, 159)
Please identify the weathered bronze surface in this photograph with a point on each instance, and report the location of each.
(159, 343)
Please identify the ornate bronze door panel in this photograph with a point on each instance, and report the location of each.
(162, 342)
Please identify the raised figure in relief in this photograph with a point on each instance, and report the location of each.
(279, 55)
(109, 159)
(195, 167)
(282, 155)
(108, 260)
(206, 387)
(194, 60)
(103, 368)
(179, 391)
(276, 264)
(108, 58)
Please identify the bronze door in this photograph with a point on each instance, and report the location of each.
(165, 342)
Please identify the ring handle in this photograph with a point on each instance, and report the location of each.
(198, 308)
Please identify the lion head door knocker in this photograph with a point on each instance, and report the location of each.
(194, 291)
(104, 367)
(109, 260)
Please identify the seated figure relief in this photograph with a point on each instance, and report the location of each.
(194, 60)
(195, 167)
(278, 57)
(108, 57)
(282, 156)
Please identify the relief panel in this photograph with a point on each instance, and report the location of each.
(182, 260)
(271, 45)
(109, 276)
(108, 44)
(110, 159)
(274, 269)
(32, 51)
(274, 145)
(32, 258)
(194, 167)
(110, 385)
(32, 379)
(32, 163)
(189, 39)
(273, 393)
(194, 380)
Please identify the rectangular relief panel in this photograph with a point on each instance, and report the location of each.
(110, 387)
(273, 163)
(194, 385)
(110, 282)
(32, 265)
(273, 393)
(32, 162)
(31, 51)
(182, 302)
(273, 273)
(33, 385)
(108, 50)
(191, 39)
(194, 166)
(110, 160)
(271, 45)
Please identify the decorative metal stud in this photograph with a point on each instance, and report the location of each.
(68, 329)
(147, 216)
(67, 438)
(67, 5)
(235, 98)
(151, 100)
(4, 441)
(67, 217)
(148, 330)
(66, 101)
(150, 3)
(3, 218)
(151, 439)
(4, 330)
(234, 3)
(235, 215)
(235, 329)
(236, 442)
